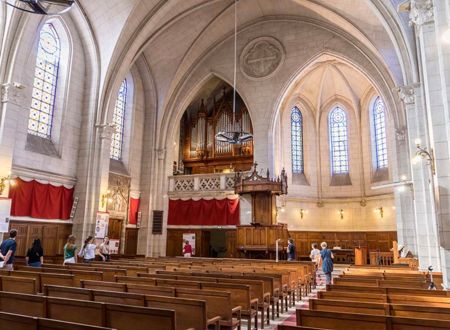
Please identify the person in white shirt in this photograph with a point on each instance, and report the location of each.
(315, 257)
(88, 250)
(104, 249)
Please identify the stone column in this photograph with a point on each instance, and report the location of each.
(430, 22)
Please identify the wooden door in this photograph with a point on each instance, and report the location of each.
(50, 239)
(231, 244)
(131, 237)
(206, 243)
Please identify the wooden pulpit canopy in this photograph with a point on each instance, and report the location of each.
(255, 183)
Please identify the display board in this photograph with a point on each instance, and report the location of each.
(5, 214)
(101, 225)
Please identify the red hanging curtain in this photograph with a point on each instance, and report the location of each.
(38, 200)
(133, 211)
(214, 212)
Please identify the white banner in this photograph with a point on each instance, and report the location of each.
(101, 225)
(190, 237)
(5, 214)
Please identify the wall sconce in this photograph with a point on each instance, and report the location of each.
(423, 153)
(106, 198)
(7, 180)
(341, 213)
(380, 210)
(302, 213)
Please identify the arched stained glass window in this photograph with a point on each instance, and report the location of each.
(297, 141)
(337, 126)
(119, 121)
(379, 129)
(45, 81)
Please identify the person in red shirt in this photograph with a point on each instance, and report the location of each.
(187, 249)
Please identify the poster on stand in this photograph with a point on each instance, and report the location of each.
(190, 237)
(5, 214)
(114, 246)
(101, 225)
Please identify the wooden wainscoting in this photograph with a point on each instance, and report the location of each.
(52, 236)
(380, 240)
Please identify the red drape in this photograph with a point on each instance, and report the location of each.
(215, 212)
(38, 200)
(134, 208)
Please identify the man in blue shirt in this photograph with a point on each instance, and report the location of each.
(8, 250)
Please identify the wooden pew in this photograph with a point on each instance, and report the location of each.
(295, 327)
(20, 322)
(89, 312)
(346, 321)
(257, 289)
(404, 291)
(190, 313)
(18, 284)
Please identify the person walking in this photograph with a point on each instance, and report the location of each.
(326, 259)
(104, 249)
(291, 250)
(315, 258)
(69, 250)
(35, 254)
(88, 250)
(187, 249)
(8, 250)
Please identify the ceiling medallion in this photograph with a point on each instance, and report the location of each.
(235, 136)
(41, 7)
(261, 58)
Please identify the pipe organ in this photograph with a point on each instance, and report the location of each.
(201, 153)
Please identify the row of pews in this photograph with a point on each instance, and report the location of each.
(386, 298)
(159, 294)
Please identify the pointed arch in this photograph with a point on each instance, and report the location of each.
(119, 121)
(378, 117)
(297, 141)
(45, 82)
(338, 133)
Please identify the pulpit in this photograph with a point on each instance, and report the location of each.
(258, 240)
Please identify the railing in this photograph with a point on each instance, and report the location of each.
(381, 258)
(217, 182)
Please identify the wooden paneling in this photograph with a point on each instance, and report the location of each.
(52, 236)
(374, 241)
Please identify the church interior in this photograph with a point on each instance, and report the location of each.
(203, 147)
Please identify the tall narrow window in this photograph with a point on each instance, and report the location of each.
(297, 141)
(45, 81)
(379, 129)
(118, 121)
(337, 126)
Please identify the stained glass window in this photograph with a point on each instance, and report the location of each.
(379, 129)
(337, 126)
(297, 141)
(118, 121)
(45, 81)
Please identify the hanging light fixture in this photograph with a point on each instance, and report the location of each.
(235, 136)
(41, 7)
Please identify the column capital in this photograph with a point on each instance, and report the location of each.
(407, 93)
(12, 92)
(400, 134)
(161, 153)
(420, 11)
(106, 130)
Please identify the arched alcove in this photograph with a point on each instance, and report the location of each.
(211, 112)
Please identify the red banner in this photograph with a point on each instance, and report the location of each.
(38, 200)
(134, 208)
(214, 212)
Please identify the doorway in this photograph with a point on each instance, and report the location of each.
(218, 243)
(115, 230)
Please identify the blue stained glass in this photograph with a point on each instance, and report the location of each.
(119, 121)
(379, 125)
(297, 141)
(45, 80)
(337, 126)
